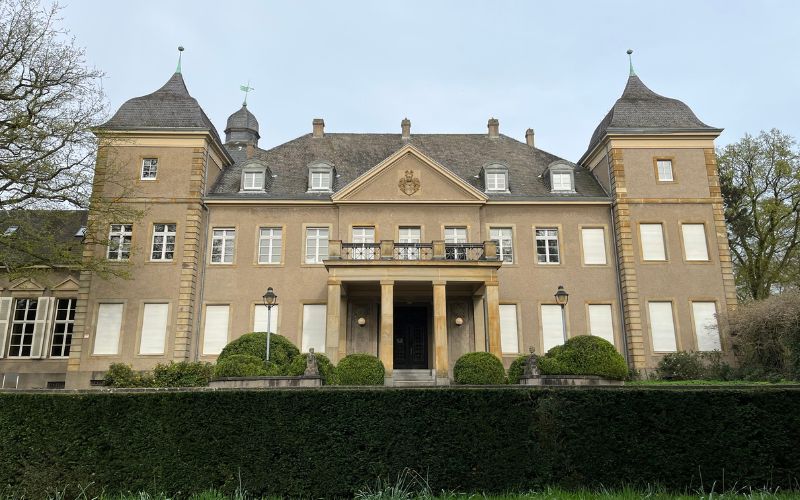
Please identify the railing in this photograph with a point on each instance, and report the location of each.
(436, 250)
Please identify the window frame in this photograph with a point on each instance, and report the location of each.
(686, 258)
(499, 170)
(675, 325)
(604, 229)
(254, 171)
(25, 322)
(119, 247)
(559, 244)
(561, 168)
(320, 168)
(657, 172)
(270, 239)
(69, 326)
(165, 234)
(224, 238)
(642, 258)
(145, 165)
(409, 253)
(501, 250)
(318, 261)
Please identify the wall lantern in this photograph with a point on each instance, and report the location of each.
(361, 321)
(459, 321)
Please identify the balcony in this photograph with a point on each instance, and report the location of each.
(388, 250)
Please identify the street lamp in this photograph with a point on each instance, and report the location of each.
(270, 301)
(562, 297)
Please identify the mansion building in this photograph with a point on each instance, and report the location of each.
(416, 248)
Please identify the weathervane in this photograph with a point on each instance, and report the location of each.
(180, 53)
(630, 61)
(246, 89)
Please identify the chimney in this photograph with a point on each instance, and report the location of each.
(318, 126)
(250, 150)
(405, 126)
(529, 137)
(494, 128)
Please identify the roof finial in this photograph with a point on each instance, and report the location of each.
(246, 89)
(630, 61)
(180, 53)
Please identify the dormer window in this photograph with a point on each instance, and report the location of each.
(10, 230)
(496, 178)
(253, 178)
(562, 178)
(320, 177)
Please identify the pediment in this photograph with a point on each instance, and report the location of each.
(68, 284)
(27, 284)
(409, 176)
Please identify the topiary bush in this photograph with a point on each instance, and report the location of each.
(360, 369)
(241, 365)
(281, 350)
(479, 368)
(326, 369)
(122, 375)
(183, 374)
(517, 369)
(584, 355)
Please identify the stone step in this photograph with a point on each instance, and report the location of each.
(413, 375)
(414, 383)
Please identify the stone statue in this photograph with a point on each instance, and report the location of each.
(532, 365)
(312, 369)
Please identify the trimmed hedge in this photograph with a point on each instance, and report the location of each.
(183, 374)
(281, 349)
(326, 443)
(326, 369)
(240, 365)
(517, 369)
(584, 355)
(479, 368)
(360, 369)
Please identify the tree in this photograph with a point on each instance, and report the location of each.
(760, 181)
(49, 101)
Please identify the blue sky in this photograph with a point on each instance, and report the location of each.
(450, 65)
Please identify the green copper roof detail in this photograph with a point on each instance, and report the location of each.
(180, 53)
(630, 61)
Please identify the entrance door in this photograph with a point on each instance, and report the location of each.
(410, 337)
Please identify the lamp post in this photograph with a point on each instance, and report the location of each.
(270, 301)
(562, 297)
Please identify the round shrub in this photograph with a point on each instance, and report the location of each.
(122, 375)
(360, 369)
(517, 369)
(326, 369)
(281, 349)
(183, 374)
(240, 365)
(584, 355)
(479, 368)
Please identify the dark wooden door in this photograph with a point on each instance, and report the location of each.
(410, 337)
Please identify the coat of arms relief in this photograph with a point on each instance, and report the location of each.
(408, 183)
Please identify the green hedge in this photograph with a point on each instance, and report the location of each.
(325, 443)
(479, 368)
(281, 350)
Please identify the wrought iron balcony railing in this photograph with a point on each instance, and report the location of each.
(436, 250)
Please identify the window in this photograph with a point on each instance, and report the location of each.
(314, 327)
(495, 181)
(260, 319)
(600, 321)
(10, 230)
(154, 328)
(109, 325)
(119, 241)
(552, 326)
(664, 168)
(149, 169)
(652, 236)
(509, 339)
(594, 245)
(505, 247)
(364, 236)
(694, 242)
(320, 177)
(316, 244)
(223, 246)
(547, 246)
(454, 236)
(662, 326)
(562, 177)
(22, 328)
(62, 328)
(705, 326)
(412, 235)
(215, 333)
(269, 245)
(562, 181)
(163, 242)
(253, 180)
(81, 232)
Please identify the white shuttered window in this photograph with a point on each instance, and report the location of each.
(694, 241)
(594, 245)
(662, 326)
(5, 318)
(705, 326)
(652, 236)
(215, 334)
(552, 326)
(109, 324)
(509, 339)
(314, 326)
(154, 328)
(600, 321)
(260, 319)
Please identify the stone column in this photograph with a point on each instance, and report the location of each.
(386, 340)
(440, 360)
(334, 310)
(493, 317)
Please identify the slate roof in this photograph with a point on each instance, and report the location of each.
(243, 118)
(640, 109)
(40, 225)
(171, 107)
(353, 154)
